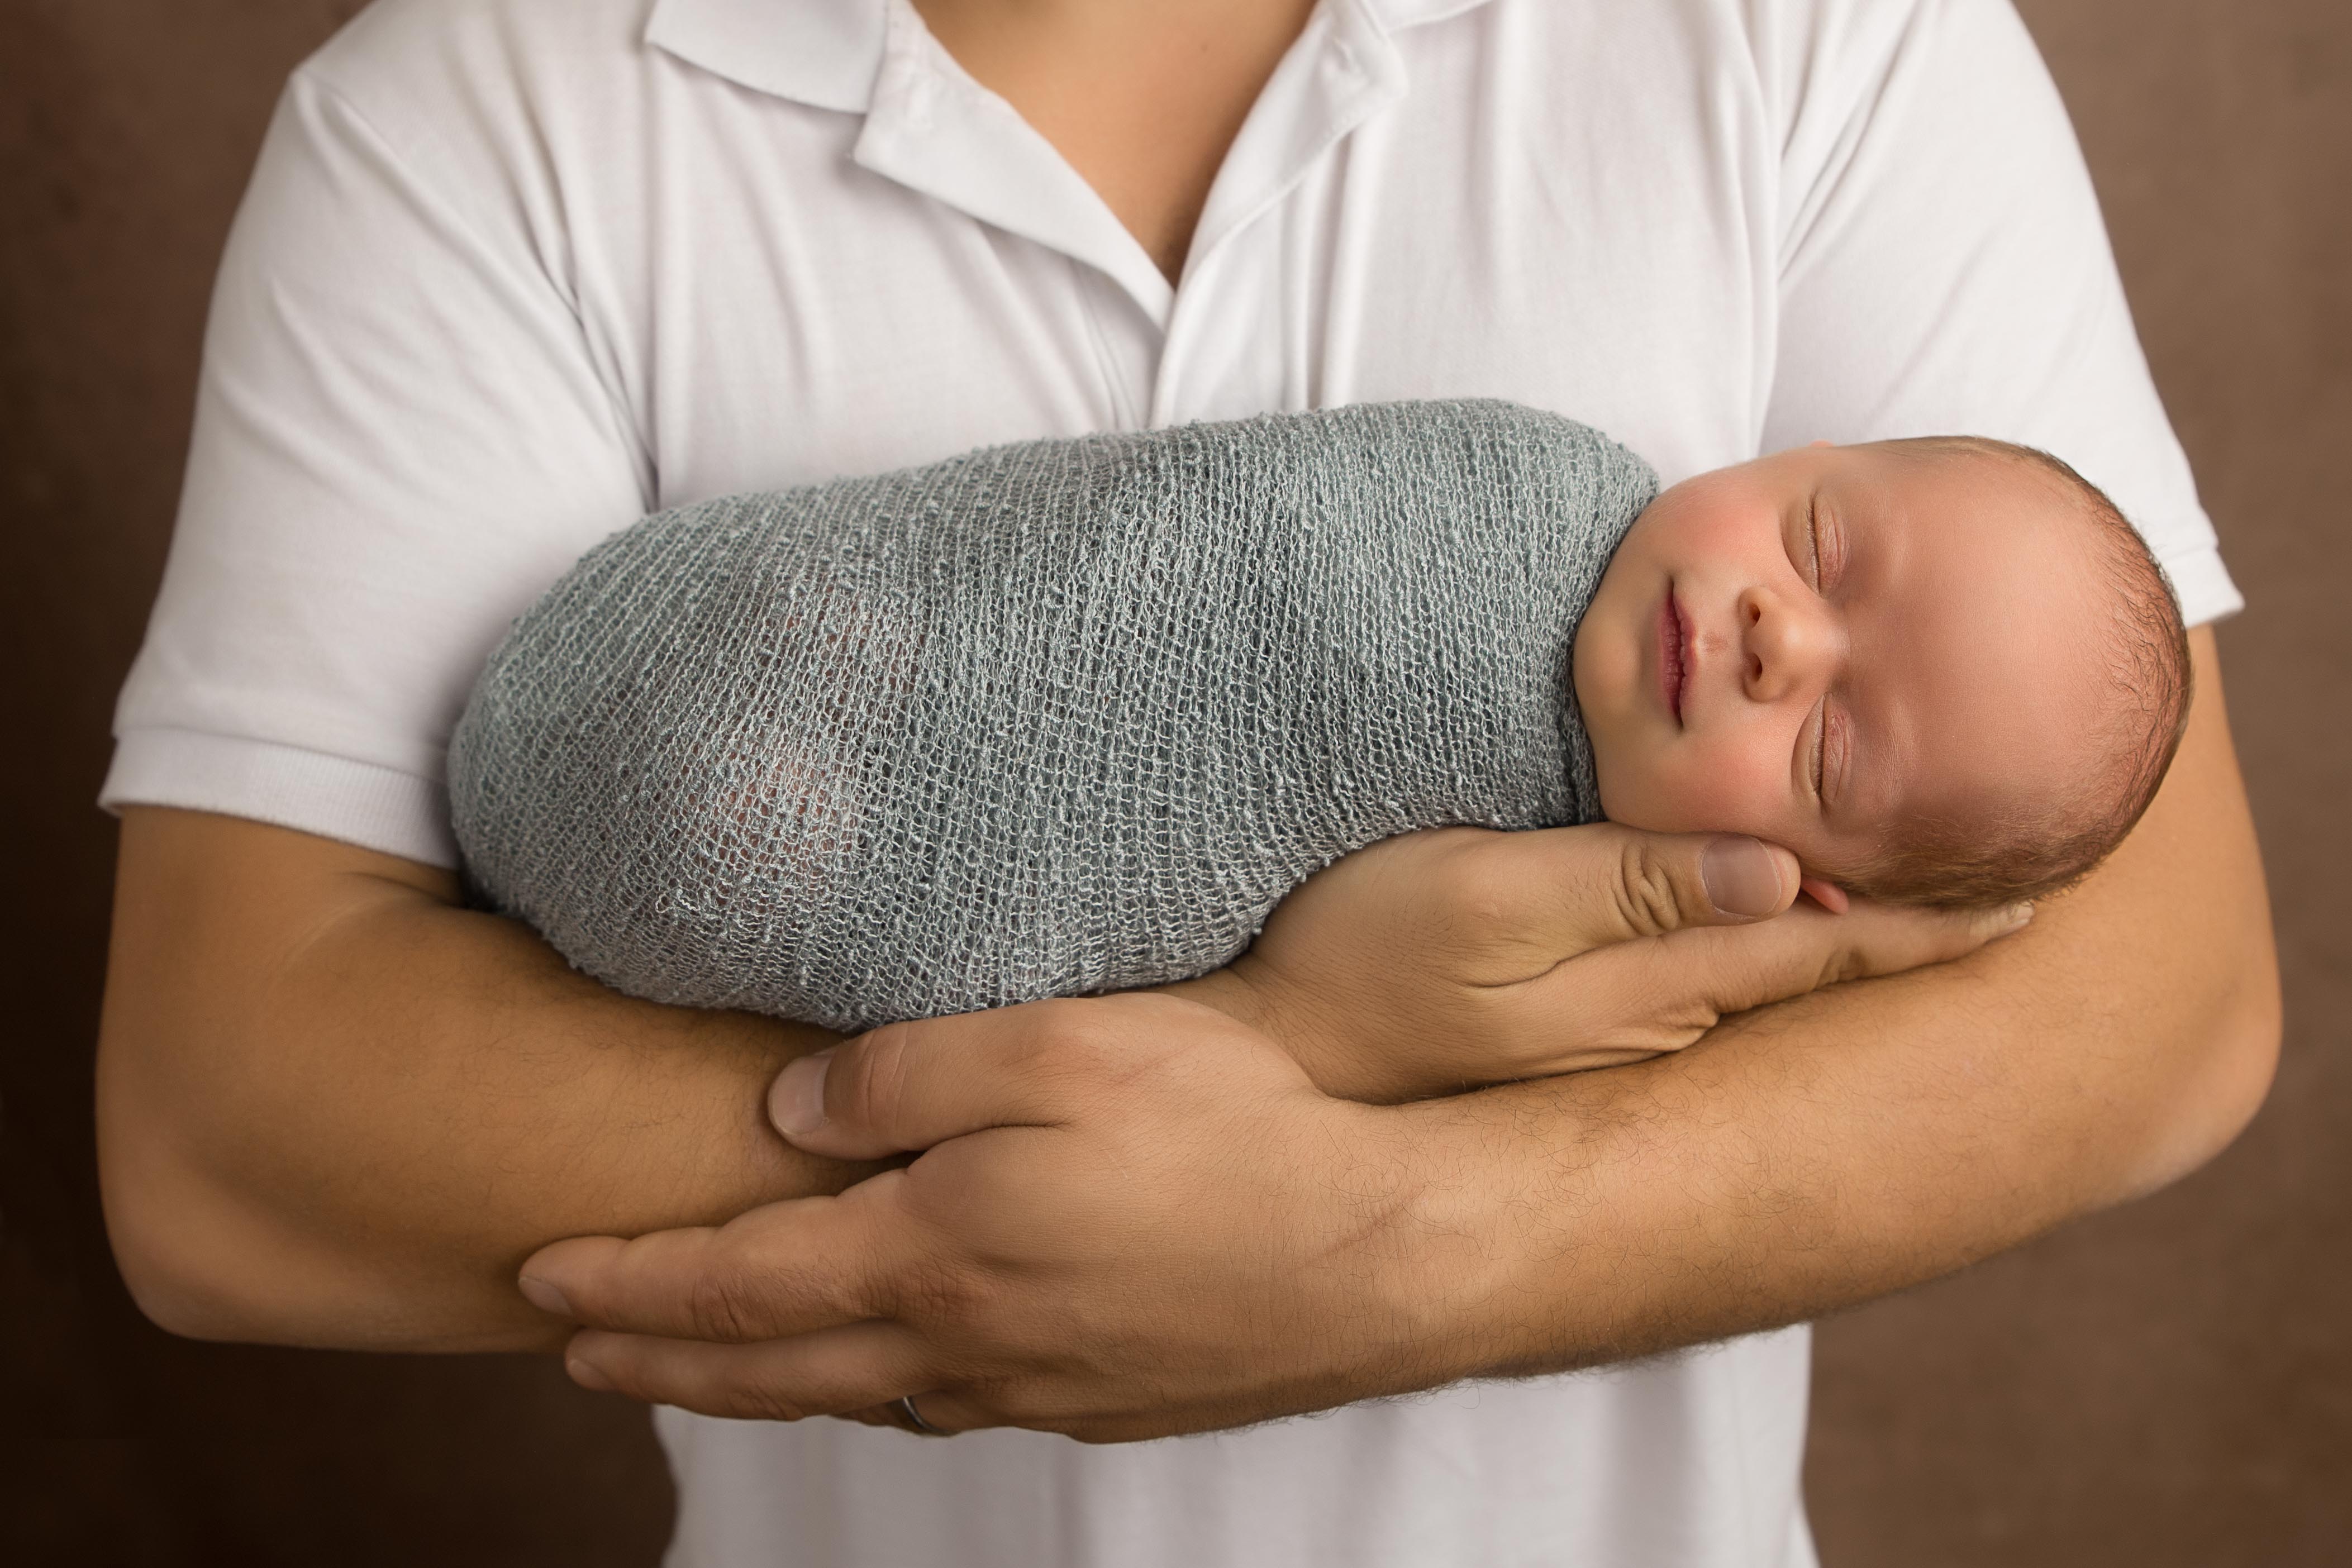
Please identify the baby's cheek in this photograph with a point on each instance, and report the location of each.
(1723, 790)
(1641, 791)
(1633, 787)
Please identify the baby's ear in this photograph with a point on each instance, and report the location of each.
(1828, 895)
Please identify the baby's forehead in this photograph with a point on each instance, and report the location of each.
(2015, 475)
(2032, 657)
(2004, 513)
(1982, 614)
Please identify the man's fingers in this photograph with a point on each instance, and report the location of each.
(787, 1268)
(833, 1372)
(906, 1086)
(1886, 939)
(1587, 887)
(1740, 969)
(1661, 995)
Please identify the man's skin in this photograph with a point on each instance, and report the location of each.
(337, 1109)
(1159, 1228)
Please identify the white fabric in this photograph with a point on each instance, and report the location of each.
(512, 272)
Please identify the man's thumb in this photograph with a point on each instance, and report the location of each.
(1747, 879)
(1605, 882)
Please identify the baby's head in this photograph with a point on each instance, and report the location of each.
(1941, 671)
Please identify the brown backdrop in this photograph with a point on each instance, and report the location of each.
(2167, 1385)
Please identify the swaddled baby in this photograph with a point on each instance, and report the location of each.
(1070, 716)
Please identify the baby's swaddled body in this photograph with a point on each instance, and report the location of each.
(1048, 719)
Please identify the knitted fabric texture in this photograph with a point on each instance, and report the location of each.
(1048, 719)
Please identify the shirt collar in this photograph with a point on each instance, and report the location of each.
(828, 53)
(819, 52)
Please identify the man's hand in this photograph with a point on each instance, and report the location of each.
(1135, 1217)
(1090, 1162)
(1461, 957)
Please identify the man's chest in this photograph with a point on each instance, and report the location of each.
(871, 297)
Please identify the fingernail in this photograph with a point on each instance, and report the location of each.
(585, 1374)
(544, 1296)
(2017, 917)
(796, 1103)
(1741, 877)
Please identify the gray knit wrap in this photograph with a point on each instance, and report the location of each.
(1048, 719)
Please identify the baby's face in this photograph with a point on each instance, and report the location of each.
(1822, 645)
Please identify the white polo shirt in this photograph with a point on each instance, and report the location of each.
(513, 272)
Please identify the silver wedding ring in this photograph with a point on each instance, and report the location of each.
(911, 1418)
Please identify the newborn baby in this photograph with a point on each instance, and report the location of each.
(1942, 670)
(1071, 717)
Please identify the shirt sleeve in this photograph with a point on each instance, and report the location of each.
(400, 430)
(1944, 268)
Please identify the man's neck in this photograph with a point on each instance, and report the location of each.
(1142, 98)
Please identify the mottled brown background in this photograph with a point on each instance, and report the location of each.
(2169, 1385)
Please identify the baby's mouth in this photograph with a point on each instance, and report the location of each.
(1674, 669)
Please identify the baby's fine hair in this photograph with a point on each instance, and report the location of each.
(1975, 865)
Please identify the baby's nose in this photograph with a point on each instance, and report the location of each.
(1790, 647)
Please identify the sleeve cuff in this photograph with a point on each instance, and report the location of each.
(2204, 586)
(360, 803)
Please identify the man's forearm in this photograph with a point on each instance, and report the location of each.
(1821, 1151)
(1136, 1217)
(337, 1109)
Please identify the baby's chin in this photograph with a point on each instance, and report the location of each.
(1613, 796)
(1629, 806)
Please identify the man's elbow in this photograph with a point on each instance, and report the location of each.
(199, 1255)
(203, 1264)
(165, 1232)
(197, 1263)
(2230, 1059)
(180, 1300)
(211, 1250)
